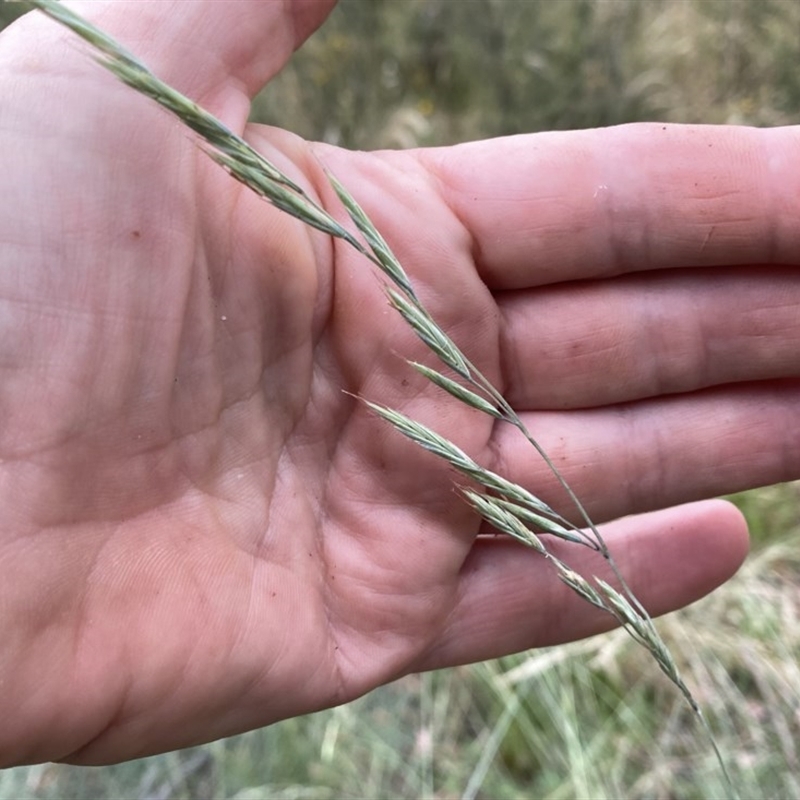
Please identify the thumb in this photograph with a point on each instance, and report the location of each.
(218, 53)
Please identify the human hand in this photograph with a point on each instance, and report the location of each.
(203, 532)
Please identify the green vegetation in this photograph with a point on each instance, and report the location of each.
(400, 72)
(595, 719)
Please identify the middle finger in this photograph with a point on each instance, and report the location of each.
(593, 343)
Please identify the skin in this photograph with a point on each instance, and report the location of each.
(201, 532)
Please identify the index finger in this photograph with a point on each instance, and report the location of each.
(550, 207)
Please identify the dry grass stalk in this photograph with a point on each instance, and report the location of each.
(509, 508)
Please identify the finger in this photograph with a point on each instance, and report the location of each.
(560, 206)
(220, 54)
(637, 336)
(658, 453)
(511, 599)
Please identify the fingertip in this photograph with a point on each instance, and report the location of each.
(308, 16)
(711, 540)
(727, 532)
(676, 556)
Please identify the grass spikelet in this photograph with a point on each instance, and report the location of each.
(430, 333)
(502, 520)
(384, 257)
(513, 500)
(427, 439)
(294, 203)
(582, 587)
(458, 391)
(553, 523)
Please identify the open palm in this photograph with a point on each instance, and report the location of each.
(203, 529)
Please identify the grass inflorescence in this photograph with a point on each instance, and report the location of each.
(508, 508)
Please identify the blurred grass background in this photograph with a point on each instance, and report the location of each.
(594, 719)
